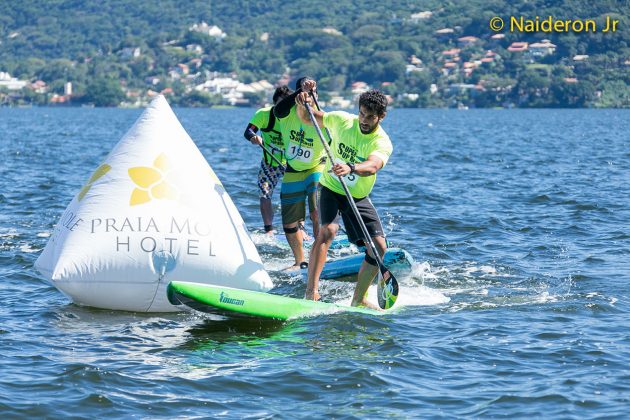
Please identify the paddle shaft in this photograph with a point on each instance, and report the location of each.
(319, 109)
(271, 155)
(353, 206)
(327, 132)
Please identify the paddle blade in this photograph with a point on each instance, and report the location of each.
(387, 290)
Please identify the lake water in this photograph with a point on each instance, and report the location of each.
(517, 305)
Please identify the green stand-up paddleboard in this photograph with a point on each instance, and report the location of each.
(246, 303)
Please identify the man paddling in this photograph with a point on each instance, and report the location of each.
(272, 162)
(360, 149)
(305, 155)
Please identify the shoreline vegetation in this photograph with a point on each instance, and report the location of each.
(434, 55)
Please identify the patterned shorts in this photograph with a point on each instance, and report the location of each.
(268, 177)
(298, 187)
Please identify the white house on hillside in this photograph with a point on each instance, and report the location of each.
(11, 83)
(204, 28)
(541, 49)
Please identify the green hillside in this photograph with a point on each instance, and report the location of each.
(117, 51)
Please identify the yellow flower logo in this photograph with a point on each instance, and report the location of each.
(214, 177)
(152, 182)
(98, 173)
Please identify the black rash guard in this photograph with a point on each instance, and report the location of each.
(283, 108)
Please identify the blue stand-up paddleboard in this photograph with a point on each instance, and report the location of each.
(395, 258)
(340, 242)
(245, 303)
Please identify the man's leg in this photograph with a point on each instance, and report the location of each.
(266, 211)
(313, 194)
(292, 198)
(268, 177)
(367, 273)
(317, 259)
(369, 267)
(294, 238)
(314, 215)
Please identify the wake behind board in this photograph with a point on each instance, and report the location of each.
(246, 303)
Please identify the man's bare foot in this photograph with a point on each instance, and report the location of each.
(312, 295)
(366, 304)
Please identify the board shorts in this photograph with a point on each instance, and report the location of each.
(331, 205)
(296, 188)
(268, 178)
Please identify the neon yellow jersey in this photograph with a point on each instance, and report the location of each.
(271, 136)
(302, 147)
(349, 145)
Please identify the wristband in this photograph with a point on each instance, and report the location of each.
(351, 165)
(249, 134)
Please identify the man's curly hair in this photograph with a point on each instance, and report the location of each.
(374, 100)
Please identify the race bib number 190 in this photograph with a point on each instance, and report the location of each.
(303, 154)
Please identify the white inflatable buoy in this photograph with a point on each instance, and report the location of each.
(153, 212)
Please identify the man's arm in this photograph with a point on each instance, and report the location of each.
(303, 113)
(372, 165)
(308, 87)
(283, 108)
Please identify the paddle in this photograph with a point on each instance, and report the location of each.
(271, 155)
(312, 95)
(387, 283)
(329, 137)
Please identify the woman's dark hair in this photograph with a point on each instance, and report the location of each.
(374, 100)
(281, 93)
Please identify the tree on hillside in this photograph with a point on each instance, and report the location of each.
(572, 95)
(104, 92)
